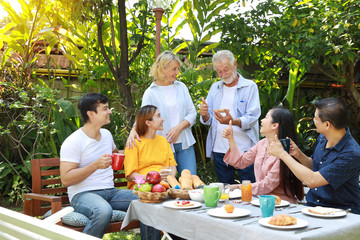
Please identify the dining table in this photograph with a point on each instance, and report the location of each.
(197, 223)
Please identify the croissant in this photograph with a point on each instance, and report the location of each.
(282, 220)
(278, 200)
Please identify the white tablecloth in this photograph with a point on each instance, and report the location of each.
(199, 225)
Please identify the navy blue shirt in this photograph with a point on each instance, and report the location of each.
(340, 166)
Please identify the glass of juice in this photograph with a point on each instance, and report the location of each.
(225, 193)
(246, 192)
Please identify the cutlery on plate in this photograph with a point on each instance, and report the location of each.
(288, 207)
(306, 230)
(341, 210)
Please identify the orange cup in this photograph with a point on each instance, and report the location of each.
(117, 161)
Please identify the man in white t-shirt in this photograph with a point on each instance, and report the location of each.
(233, 98)
(85, 167)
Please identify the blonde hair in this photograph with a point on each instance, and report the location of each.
(161, 62)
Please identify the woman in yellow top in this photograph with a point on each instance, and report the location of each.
(153, 151)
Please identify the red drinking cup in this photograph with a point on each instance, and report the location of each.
(117, 161)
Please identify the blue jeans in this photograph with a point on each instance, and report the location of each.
(226, 172)
(185, 159)
(97, 206)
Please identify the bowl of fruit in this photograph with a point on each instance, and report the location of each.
(153, 190)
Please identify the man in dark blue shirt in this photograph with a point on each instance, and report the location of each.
(332, 174)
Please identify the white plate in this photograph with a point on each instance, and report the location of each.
(283, 203)
(334, 215)
(299, 224)
(171, 204)
(220, 212)
(235, 194)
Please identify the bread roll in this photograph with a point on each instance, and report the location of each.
(185, 180)
(282, 220)
(197, 183)
(172, 181)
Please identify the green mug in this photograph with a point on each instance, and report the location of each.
(212, 195)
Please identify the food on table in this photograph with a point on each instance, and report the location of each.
(185, 180)
(282, 220)
(145, 187)
(184, 203)
(172, 181)
(165, 184)
(153, 177)
(158, 188)
(246, 191)
(278, 200)
(321, 210)
(229, 208)
(196, 181)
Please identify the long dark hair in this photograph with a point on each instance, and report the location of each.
(286, 122)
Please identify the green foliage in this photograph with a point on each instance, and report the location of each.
(297, 37)
(123, 235)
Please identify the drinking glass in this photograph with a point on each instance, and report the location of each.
(225, 193)
(165, 171)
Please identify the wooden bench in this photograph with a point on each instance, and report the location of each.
(48, 192)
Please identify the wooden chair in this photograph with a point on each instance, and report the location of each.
(48, 192)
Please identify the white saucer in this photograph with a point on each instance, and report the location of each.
(299, 224)
(283, 203)
(221, 213)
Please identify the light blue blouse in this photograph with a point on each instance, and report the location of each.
(153, 96)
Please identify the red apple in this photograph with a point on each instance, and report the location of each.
(158, 188)
(153, 177)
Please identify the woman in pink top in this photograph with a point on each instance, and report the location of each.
(271, 174)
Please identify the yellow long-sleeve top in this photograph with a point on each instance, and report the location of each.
(148, 155)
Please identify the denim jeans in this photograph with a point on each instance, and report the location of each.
(185, 159)
(226, 172)
(97, 206)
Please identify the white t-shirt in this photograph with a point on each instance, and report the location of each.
(79, 148)
(170, 96)
(243, 142)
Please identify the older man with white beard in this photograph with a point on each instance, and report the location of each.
(233, 98)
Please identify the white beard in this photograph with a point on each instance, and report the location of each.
(230, 79)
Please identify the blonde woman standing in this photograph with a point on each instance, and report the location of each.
(173, 100)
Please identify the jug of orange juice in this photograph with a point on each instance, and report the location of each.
(246, 192)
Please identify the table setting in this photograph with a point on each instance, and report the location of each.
(213, 212)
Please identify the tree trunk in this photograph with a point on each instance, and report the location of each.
(123, 73)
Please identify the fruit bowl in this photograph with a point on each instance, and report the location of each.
(151, 197)
(178, 193)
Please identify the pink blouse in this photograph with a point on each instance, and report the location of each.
(266, 169)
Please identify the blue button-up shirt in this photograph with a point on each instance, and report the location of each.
(340, 166)
(247, 106)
